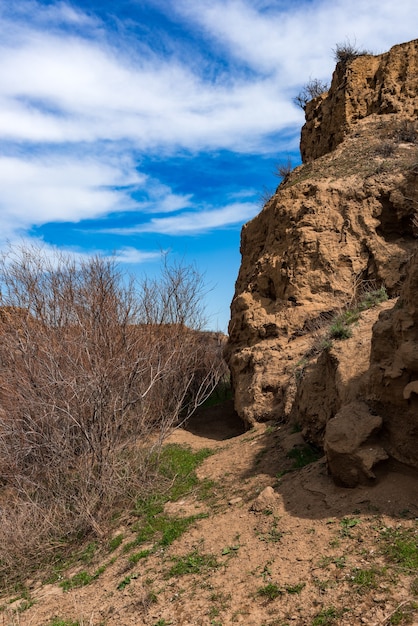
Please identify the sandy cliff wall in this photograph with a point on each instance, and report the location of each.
(369, 85)
(339, 225)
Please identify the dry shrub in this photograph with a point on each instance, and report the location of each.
(283, 170)
(95, 371)
(313, 89)
(347, 51)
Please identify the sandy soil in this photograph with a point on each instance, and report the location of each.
(315, 546)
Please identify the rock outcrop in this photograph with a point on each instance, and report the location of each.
(393, 375)
(339, 226)
(369, 85)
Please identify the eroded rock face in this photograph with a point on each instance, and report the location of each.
(379, 85)
(393, 377)
(336, 225)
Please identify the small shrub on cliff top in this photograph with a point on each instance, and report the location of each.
(314, 88)
(283, 169)
(346, 52)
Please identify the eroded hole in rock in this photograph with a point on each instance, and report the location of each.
(392, 225)
(217, 422)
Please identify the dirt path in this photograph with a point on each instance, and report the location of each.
(275, 548)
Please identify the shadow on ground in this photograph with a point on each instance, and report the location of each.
(307, 492)
(218, 422)
(310, 491)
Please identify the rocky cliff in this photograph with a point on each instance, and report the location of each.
(309, 338)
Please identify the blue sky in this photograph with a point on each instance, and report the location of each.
(132, 127)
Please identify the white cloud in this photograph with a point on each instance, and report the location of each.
(191, 223)
(133, 256)
(293, 41)
(61, 188)
(127, 255)
(162, 200)
(59, 14)
(63, 88)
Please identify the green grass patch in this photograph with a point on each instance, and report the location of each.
(340, 330)
(364, 579)
(348, 523)
(341, 325)
(295, 589)
(81, 579)
(401, 547)
(162, 530)
(179, 463)
(270, 592)
(88, 552)
(404, 614)
(326, 617)
(192, 563)
(126, 581)
(114, 543)
(177, 466)
(143, 554)
(338, 561)
(220, 394)
(373, 298)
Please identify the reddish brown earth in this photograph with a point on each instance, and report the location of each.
(263, 530)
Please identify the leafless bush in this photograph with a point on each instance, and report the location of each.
(264, 196)
(314, 88)
(94, 373)
(283, 169)
(346, 52)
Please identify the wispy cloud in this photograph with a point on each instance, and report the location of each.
(64, 87)
(126, 255)
(67, 188)
(133, 256)
(191, 223)
(62, 188)
(161, 199)
(293, 41)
